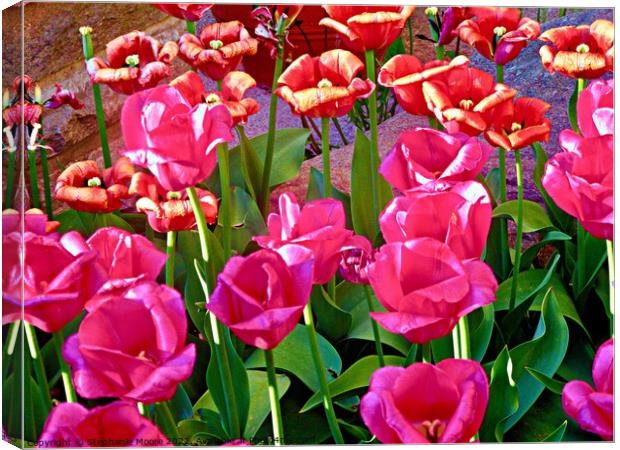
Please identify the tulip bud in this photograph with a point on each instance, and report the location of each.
(324, 83)
(173, 195)
(85, 31)
(216, 44)
(94, 182)
(132, 60)
(582, 48)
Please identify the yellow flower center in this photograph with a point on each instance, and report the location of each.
(466, 104)
(432, 430)
(94, 182)
(132, 60)
(173, 195)
(515, 126)
(212, 99)
(432, 11)
(216, 44)
(582, 48)
(499, 31)
(324, 83)
(85, 30)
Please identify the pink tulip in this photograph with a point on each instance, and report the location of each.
(56, 284)
(595, 109)
(593, 409)
(319, 226)
(34, 220)
(580, 181)
(117, 424)
(460, 217)
(357, 255)
(425, 403)
(262, 296)
(175, 140)
(132, 346)
(424, 156)
(426, 288)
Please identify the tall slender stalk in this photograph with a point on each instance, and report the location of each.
(9, 347)
(580, 263)
(410, 30)
(325, 151)
(456, 341)
(562, 12)
(39, 367)
(375, 327)
(166, 416)
(65, 373)
(271, 132)
(87, 48)
(225, 207)
(274, 400)
(503, 224)
(10, 179)
(47, 189)
(191, 26)
(343, 138)
(171, 239)
(440, 51)
(214, 331)
(34, 179)
(374, 138)
(320, 371)
(519, 236)
(463, 329)
(612, 282)
(427, 353)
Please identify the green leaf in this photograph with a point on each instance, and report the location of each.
(492, 182)
(239, 379)
(534, 216)
(442, 348)
(552, 237)
(554, 386)
(315, 190)
(353, 380)
(543, 353)
(557, 434)
(572, 108)
(503, 399)
(293, 356)
(481, 329)
(364, 220)
(396, 48)
(201, 432)
(72, 220)
(332, 321)
(180, 405)
(251, 165)
(111, 220)
(259, 399)
(246, 220)
(289, 148)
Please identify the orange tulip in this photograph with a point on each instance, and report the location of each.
(84, 187)
(324, 86)
(579, 52)
(525, 126)
(135, 62)
(405, 75)
(234, 86)
(498, 34)
(367, 27)
(168, 210)
(468, 100)
(219, 49)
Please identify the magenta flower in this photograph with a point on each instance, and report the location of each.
(132, 346)
(118, 424)
(56, 284)
(175, 140)
(425, 403)
(426, 288)
(262, 296)
(319, 226)
(593, 409)
(595, 109)
(580, 181)
(356, 256)
(424, 156)
(459, 217)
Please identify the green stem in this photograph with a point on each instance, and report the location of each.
(225, 207)
(325, 151)
(10, 180)
(65, 373)
(87, 47)
(344, 139)
(9, 347)
(171, 239)
(457, 50)
(39, 367)
(320, 370)
(274, 400)
(168, 419)
(562, 12)
(463, 329)
(374, 138)
(611, 267)
(440, 51)
(410, 30)
(433, 123)
(191, 26)
(271, 132)
(456, 341)
(503, 224)
(375, 327)
(214, 331)
(142, 410)
(580, 264)
(499, 73)
(427, 353)
(34, 179)
(544, 15)
(538, 15)
(519, 237)
(46, 184)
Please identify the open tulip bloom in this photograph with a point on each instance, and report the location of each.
(390, 244)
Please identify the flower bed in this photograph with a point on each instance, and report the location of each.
(184, 295)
